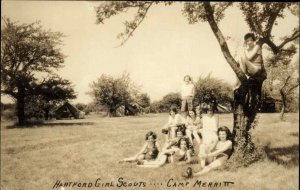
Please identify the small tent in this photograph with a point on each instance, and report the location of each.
(68, 111)
(129, 109)
(271, 105)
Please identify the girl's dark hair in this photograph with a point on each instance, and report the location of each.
(150, 133)
(211, 107)
(184, 139)
(188, 113)
(174, 109)
(182, 129)
(249, 35)
(190, 78)
(227, 131)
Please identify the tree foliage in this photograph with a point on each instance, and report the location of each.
(27, 53)
(113, 92)
(143, 100)
(54, 91)
(169, 100)
(220, 89)
(283, 79)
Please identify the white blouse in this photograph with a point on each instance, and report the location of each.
(210, 123)
(187, 90)
(176, 120)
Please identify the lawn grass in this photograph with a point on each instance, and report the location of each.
(84, 150)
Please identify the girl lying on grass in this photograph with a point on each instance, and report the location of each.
(219, 155)
(178, 155)
(149, 151)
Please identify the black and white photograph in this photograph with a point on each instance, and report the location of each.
(153, 95)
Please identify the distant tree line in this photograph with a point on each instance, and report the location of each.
(112, 93)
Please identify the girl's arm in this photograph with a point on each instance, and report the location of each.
(171, 150)
(250, 54)
(227, 146)
(158, 146)
(197, 121)
(189, 158)
(171, 143)
(142, 150)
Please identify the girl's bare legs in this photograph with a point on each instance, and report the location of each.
(250, 68)
(189, 134)
(156, 163)
(133, 158)
(202, 151)
(195, 133)
(213, 165)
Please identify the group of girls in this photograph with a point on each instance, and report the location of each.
(214, 142)
(182, 132)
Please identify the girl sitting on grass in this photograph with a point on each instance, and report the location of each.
(178, 155)
(210, 124)
(174, 142)
(220, 154)
(149, 151)
(175, 121)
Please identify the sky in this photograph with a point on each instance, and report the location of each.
(160, 53)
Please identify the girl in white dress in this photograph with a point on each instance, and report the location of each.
(220, 153)
(210, 124)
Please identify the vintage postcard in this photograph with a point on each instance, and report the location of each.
(149, 95)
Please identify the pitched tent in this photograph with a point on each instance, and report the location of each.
(271, 105)
(68, 111)
(133, 109)
(129, 109)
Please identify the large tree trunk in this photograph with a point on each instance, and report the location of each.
(21, 105)
(245, 106)
(245, 101)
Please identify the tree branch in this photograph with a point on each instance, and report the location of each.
(272, 19)
(292, 88)
(211, 20)
(294, 36)
(286, 81)
(142, 17)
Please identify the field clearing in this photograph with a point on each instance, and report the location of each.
(81, 151)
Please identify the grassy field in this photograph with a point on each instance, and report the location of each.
(82, 151)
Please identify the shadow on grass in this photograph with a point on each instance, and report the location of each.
(45, 124)
(286, 156)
